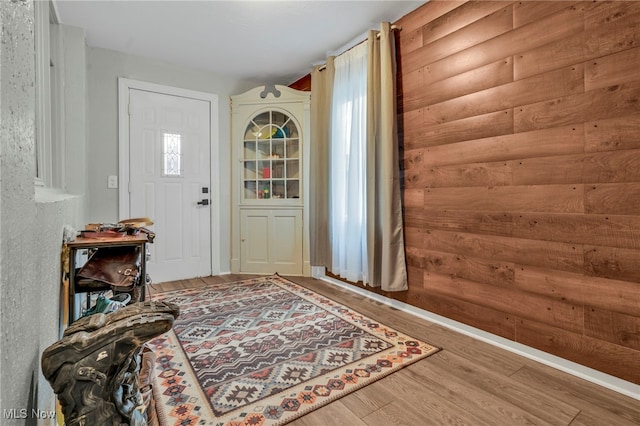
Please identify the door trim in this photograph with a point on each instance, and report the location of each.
(124, 87)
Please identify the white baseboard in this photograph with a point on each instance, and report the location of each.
(318, 272)
(605, 380)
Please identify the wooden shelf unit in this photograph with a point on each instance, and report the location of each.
(82, 285)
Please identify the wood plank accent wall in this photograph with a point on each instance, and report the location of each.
(521, 158)
(303, 83)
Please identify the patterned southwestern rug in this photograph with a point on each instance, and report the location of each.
(265, 351)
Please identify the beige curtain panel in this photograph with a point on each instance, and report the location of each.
(321, 90)
(385, 237)
(387, 264)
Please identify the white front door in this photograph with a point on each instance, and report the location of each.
(169, 181)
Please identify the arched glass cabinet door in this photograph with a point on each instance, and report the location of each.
(271, 157)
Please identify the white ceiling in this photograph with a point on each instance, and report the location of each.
(268, 41)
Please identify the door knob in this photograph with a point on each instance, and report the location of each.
(204, 202)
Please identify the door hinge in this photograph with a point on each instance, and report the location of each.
(129, 187)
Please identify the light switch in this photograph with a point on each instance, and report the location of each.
(112, 182)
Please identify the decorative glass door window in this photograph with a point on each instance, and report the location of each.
(171, 155)
(271, 157)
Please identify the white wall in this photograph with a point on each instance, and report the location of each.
(31, 222)
(73, 64)
(18, 331)
(103, 68)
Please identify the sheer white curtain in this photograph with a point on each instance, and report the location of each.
(348, 140)
(356, 222)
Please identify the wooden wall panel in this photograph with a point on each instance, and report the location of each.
(414, 236)
(603, 230)
(411, 41)
(540, 309)
(491, 320)
(601, 293)
(415, 276)
(579, 47)
(303, 83)
(532, 198)
(613, 134)
(613, 69)
(484, 126)
(413, 197)
(564, 24)
(539, 143)
(413, 158)
(550, 255)
(614, 166)
(613, 327)
(521, 173)
(526, 12)
(456, 265)
(412, 117)
(479, 174)
(488, 76)
(609, 12)
(610, 102)
(554, 84)
(612, 262)
(617, 360)
(424, 15)
(623, 198)
(475, 222)
(459, 18)
(411, 83)
(475, 33)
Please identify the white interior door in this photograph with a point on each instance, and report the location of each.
(169, 181)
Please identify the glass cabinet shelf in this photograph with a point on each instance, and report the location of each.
(271, 157)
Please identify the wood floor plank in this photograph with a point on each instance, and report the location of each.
(411, 403)
(594, 401)
(399, 413)
(363, 403)
(469, 382)
(599, 418)
(510, 400)
(480, 353)
(479, 403)
(335, 410)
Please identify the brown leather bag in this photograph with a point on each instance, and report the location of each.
(117, 266)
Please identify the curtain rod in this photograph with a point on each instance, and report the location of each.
(393, 27)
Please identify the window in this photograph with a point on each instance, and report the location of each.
(48, 118)
(43, 94)
(348, 139)
(171, 155)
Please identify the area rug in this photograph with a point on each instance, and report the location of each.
(265, 351)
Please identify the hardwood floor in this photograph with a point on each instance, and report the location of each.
(468, 382)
